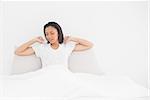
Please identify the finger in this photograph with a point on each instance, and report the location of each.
(41, 42)
(65, 41)
(41, 39)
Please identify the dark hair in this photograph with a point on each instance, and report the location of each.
(59, 30)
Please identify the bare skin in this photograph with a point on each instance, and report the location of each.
(52, 36)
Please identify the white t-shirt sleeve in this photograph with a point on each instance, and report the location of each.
(37, 47)
(70, 46)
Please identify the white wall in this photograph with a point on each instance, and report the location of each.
(1, 41)
(119, 31)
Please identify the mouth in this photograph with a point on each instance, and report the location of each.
(51, 40)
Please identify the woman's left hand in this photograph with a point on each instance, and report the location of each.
(67, 39)
(81, 44)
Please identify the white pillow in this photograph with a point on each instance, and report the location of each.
(23, 64)
(84, 61)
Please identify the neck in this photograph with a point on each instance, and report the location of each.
(55, 45)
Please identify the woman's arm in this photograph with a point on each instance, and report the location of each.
(81, 45)
(25, 49)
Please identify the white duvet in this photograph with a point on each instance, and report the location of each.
(56, 81)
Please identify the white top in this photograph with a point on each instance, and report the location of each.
(50, 56)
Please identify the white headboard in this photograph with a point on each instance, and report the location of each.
(84, 61)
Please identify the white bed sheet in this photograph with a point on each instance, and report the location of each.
(79, 98)
(111, 98)
(57, 82)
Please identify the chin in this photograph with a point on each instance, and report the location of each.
(52, 42)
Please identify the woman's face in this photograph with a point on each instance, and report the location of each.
(51, 34)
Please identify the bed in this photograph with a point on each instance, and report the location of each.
(56, 83)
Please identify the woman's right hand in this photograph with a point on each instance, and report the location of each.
(39, 39)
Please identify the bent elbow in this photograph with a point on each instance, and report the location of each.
(91, 45)
(16, 53)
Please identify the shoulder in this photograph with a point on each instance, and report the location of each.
(70, 43)
(39, 45)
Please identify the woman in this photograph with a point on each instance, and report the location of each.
(57, 49)
(54, 54)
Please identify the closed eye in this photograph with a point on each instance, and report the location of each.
(52, 33)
